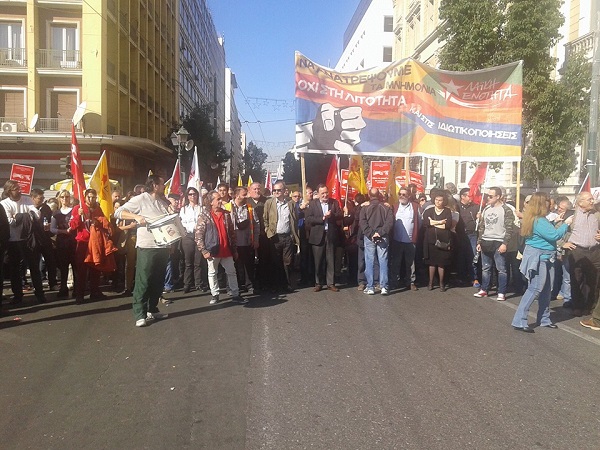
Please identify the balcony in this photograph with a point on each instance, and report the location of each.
(58, 59)
(55, 124)
(584, 45)
(13, 58)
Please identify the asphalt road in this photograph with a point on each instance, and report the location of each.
(414, 370)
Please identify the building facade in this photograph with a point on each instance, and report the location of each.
(115, 56)
(369, 38)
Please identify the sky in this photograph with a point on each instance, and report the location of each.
(261, 37)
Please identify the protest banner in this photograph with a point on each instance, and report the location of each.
(23, 175)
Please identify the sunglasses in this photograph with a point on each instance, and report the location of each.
(402, 195)
(277, 190)
(192, 193)
(65, 196)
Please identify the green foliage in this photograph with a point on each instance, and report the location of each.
(291, 169)
(486, 33)
(254, 161)
(211, 150)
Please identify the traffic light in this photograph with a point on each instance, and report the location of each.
(66, 165)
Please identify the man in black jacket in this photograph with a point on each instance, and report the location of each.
(320, 217)
(466, 231)
(376, 222)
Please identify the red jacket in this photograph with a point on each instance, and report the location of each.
(82, 224)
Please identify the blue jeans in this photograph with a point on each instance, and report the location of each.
(540, 289)
(499, 260)
(381, 249)
(565, 287)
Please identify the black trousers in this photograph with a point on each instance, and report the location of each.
(65, 256)
(19, 251)
(282, 253)
(264, 269)
(325, 254)
(245, 264)
(196, 270)
(584, 268)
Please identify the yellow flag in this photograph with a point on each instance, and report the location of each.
(240, 180)
(356, 174)
(250, 180)
(100, 182)
(392, 189)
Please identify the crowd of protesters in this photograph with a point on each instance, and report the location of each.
(240, 240)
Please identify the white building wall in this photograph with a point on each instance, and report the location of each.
(365, 37)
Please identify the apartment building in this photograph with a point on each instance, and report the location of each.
(117, 57)
(369, 38)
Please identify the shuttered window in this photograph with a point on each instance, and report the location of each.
(12, 104)
(63, 104)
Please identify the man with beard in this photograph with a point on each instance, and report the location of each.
(151, 262)
(22, 246)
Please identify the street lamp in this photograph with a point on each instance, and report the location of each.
(180, 140)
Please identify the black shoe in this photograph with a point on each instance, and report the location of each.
(524, 329)
(98, 296)
(15, 300)
(125, 293)
(239, 300)
(62, 294)
(41, 298)
(187, 290)
(567, 305)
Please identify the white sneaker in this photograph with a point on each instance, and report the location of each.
(140, 323)
(501, 298)
(156, 316)
(384, 291)
(214, 300)
(369, 291)
(480, 294)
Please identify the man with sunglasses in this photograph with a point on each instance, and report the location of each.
(281, 227)
(495, 232)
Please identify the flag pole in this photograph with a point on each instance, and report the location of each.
(518, 200)
(303, 172)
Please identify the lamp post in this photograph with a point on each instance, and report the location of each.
(183, 144)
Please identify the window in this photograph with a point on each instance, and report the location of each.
(388, 23)
(11, 42)
(387, 54)
(463, 172)
(63, 104)
(65, 44)
(12, 104)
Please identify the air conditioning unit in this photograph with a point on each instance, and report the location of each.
(8, 127)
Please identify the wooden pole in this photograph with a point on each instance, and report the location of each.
(518, 198)
(303, 171)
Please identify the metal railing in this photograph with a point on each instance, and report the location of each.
(583, 44)
(56, 124)
(58, 59)
(13, 57)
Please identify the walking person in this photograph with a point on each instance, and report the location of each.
(215, 238)
(538, 261)
(246, 226)
(151, 261)
(403, 246)
(65, 241)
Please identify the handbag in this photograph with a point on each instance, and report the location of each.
(441, 244)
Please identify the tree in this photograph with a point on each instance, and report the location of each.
(254, 161)
(485, 33)
(211, 150)
(292, 173)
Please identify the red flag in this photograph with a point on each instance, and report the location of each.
(175, 185)
(333, 181)
(585, 186)
(476, 181)
(268, 182)
(77, 170)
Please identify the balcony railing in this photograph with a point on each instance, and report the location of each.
(13, 57)
(56, 124)
(58, 59)
(583, 44)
